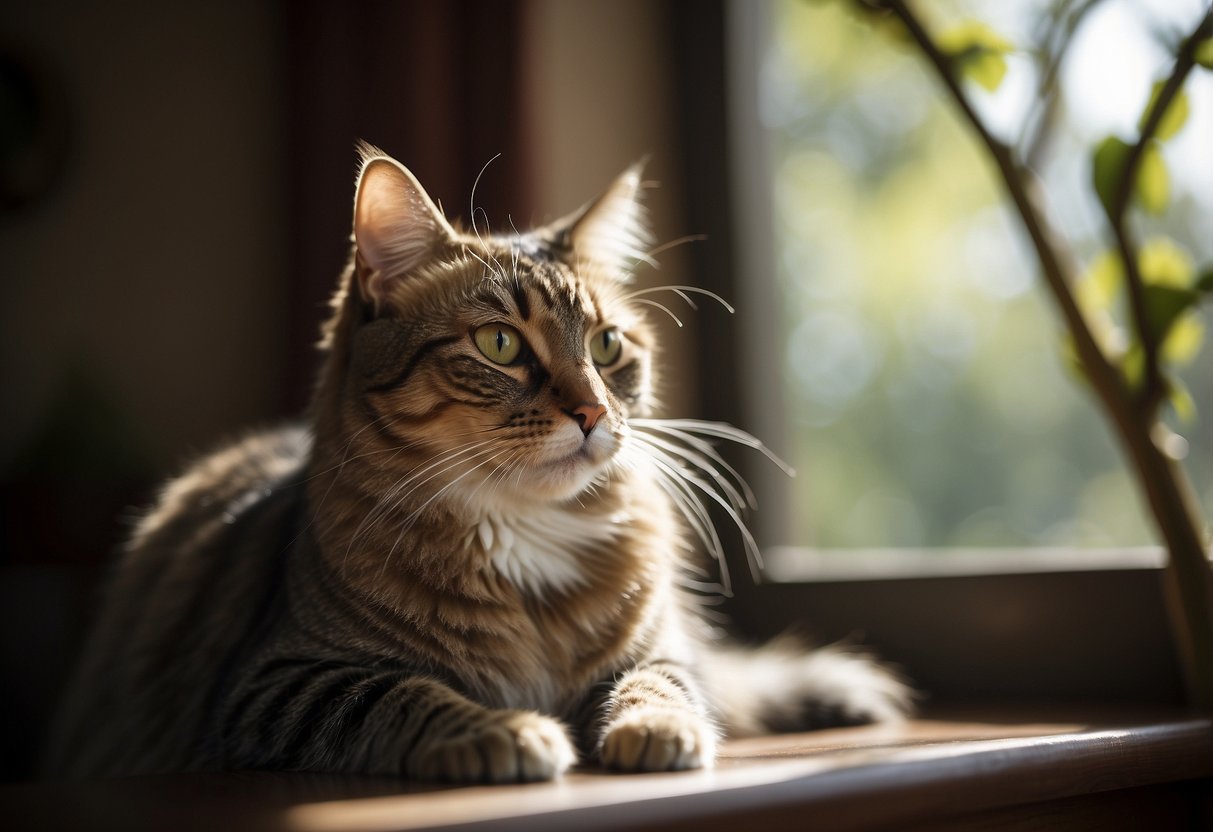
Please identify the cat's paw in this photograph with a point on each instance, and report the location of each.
(510, 747)
(656, 738)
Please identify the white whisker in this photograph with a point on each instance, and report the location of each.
(696, 515)
(719, 430)
(412, 518)
(661, 307)
(689, 238)
(680, 291)
(704, 464)
(472, 199)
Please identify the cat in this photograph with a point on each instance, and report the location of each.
(470, 565)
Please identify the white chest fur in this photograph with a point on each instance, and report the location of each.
(543, 549)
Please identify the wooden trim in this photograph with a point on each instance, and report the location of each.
(1043, 637)
(925, 772)
(794, 564)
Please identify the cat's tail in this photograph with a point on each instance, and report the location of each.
(784, 686)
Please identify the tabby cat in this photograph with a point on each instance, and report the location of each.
(470, 565)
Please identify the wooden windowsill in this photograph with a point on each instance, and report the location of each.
(793, 564)
(949, 771)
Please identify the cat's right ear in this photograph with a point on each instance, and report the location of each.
(397, 227)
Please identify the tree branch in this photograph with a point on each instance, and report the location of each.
(1152, 390)
(1188, 579)
(1035, 135)
(1055, 261)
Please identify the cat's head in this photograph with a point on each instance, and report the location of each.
(509, 364)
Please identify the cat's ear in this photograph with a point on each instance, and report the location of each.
(612, 232)
(397, 227)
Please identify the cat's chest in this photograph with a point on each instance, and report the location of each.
(545, 550)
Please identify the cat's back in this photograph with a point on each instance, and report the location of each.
(186, 597)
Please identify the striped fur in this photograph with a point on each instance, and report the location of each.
(458, 569)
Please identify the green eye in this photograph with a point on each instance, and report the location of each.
(605, 347)
(500, 344)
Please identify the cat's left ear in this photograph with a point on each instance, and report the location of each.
(612, 232)
(397, 227)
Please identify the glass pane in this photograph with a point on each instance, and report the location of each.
(928, 394)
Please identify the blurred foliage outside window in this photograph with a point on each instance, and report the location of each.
(928, 394)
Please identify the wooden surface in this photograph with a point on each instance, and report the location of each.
(965, 771)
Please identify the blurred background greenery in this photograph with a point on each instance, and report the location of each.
(928, 395)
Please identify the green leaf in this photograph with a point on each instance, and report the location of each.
(1163, 262)
(977, 52)
(1153, 185)
(987, 69)
(1170, 295)
(1107, 166)
(1172, 120)
(1183, 341)
(1180, 399)
(1101, 283)
(1133, 367)
(1203, 53)
(1164, 305)
(1096, 292)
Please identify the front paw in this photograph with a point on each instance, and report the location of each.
(655, 738)
(504, 747)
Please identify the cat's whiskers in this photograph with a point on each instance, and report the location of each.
(408, 521)
(394, 496)
(738, 498)
(509, 467)
(751, 546)
(660, 306)
(394, 450)
(664, 247)
(500, 470)
(696, 515)
(500, 270)
(682, 457)
(412, 518)
(682, 292)
(450, 460)
(340, 468)
(718, 430)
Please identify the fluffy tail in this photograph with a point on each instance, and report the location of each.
(784, 686)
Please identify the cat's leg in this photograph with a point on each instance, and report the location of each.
(332, 716)
(654, 720)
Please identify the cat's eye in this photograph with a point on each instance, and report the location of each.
(605, 347)
(500, 344)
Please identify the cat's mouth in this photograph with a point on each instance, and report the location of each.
(589, 453)
(568, 472)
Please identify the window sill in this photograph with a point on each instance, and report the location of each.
(1012, 769)
(790, 564)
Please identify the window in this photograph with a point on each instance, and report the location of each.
(926, 398)
(1038, 627)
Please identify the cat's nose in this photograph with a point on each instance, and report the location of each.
(587, 415)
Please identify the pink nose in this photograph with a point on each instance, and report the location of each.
(587, 415)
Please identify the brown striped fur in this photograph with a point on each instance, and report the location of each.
(453, 572)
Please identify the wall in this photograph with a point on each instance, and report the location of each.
(154, 266)
(601, 100)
